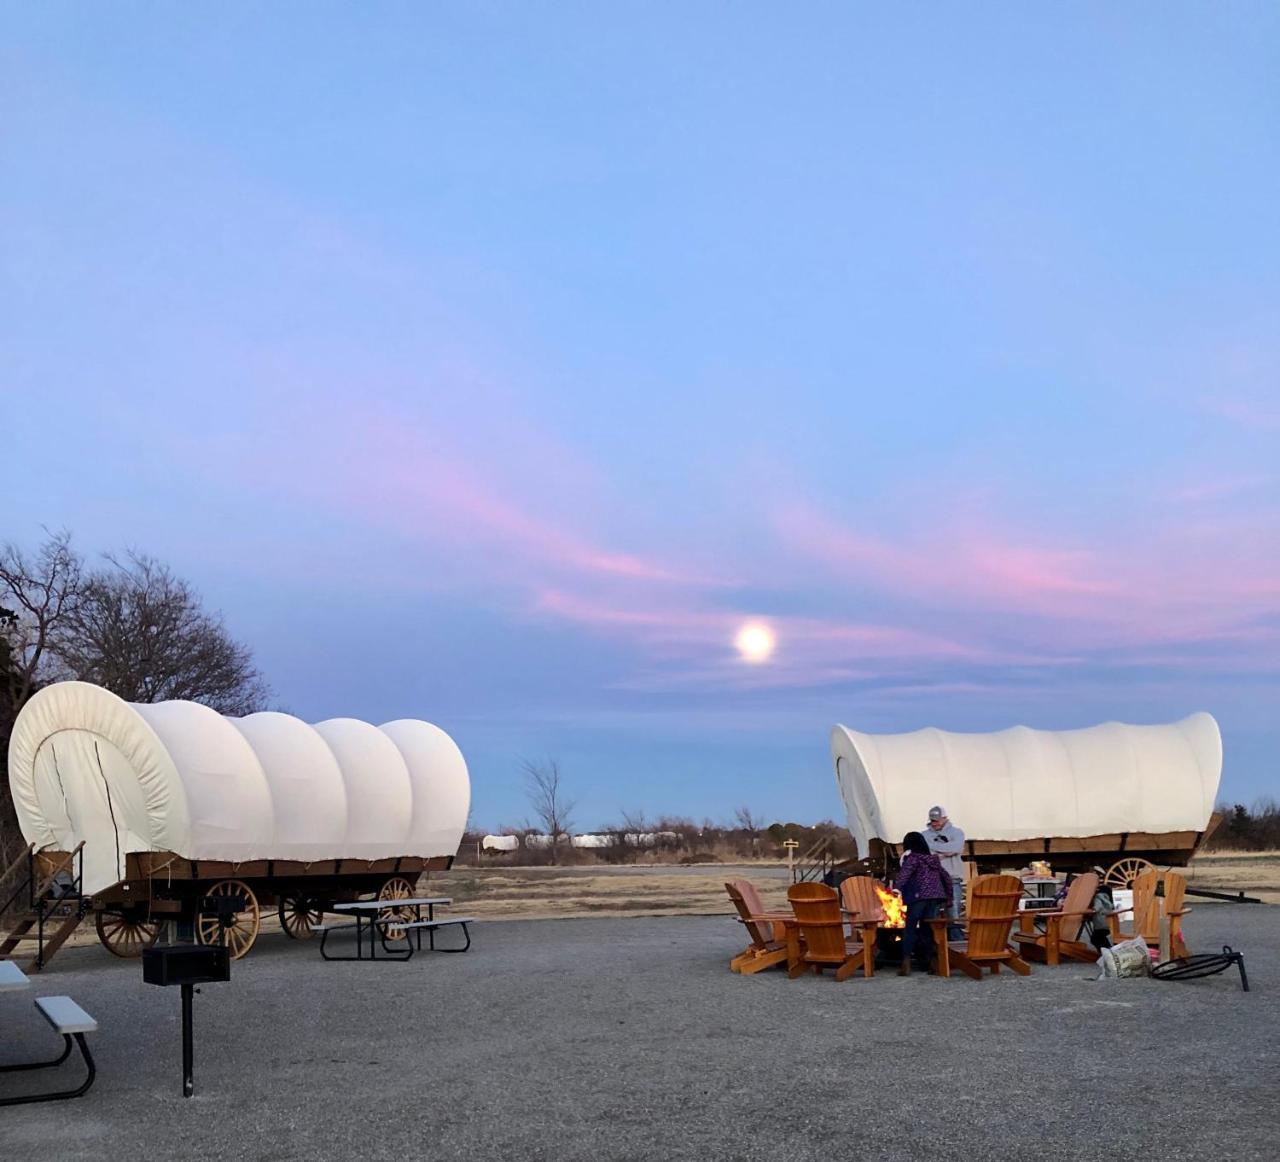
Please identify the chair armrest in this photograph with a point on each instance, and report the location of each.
(950, 923)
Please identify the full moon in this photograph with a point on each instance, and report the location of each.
(755, 642)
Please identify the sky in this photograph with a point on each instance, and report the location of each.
(495, 364)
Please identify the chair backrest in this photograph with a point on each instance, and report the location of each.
(858, 894)
(1079, 898)
(817, 909)
(993, 907)
(1146, 908)
(747, 901)
(1175, 888)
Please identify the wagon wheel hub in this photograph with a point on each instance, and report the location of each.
(298, 913)
(126, 934)
(245, 925)
(1123, 872)
(390, 920)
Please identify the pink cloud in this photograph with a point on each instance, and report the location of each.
(1242, 410)
(967, 565)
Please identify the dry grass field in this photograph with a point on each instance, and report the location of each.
(534, 893)
(528, 893)
(541, 893)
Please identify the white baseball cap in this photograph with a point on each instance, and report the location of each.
(937, 813)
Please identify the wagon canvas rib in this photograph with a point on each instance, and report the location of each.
(177, 777)
(1016, 785)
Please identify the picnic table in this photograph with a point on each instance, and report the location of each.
(371, 916)
(67, 1018)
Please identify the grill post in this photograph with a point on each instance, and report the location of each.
(188, 1084)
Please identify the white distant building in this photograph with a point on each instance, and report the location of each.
(497, 843)
(593, 841)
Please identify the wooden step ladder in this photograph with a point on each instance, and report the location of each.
(815, 863)
(45, 907)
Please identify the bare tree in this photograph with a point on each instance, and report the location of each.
(37, 592)
(630, 839)
(142, 633)
(750, 823)
(551, 806)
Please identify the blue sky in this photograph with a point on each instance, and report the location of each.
(495, 364)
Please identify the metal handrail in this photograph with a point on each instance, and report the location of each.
(818, 858)
(63, 865)
(29, 857)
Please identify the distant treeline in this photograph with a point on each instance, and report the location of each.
(664, 840)
(1255, 828)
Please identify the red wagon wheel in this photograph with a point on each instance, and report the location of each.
(397, 888)
(243, 930)
(298, 914)
(126, 935)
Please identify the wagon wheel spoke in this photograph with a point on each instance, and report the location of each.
(126, 936)
(1123, 872)
(297, 914)
(243, 930)
(397, 888)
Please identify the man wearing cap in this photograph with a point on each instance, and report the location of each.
(946, 841)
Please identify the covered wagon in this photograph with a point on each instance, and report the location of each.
(152, 813)
(1119, 796)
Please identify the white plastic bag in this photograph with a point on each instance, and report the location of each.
(1127, 958)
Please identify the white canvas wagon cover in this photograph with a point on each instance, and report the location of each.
(177, 776)
(1030, 784)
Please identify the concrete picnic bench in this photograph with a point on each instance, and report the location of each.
(68, 1019)
(367, 916)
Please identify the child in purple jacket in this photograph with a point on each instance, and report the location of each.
(926, 889)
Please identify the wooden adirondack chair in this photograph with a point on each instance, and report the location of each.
(1148, 911)
(993, 908)
(858, 898)
(1061, 936)
(861, 908)
(1141, 914)
(766, 931)
(824, 944)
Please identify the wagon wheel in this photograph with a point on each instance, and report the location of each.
(297, 914)
(124, 935)
(398, 888)
(1123, 872)
(243, 929)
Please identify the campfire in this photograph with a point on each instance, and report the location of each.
(889, 934)
(895, 911)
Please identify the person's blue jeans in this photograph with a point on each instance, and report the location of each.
(919, 933)
(957, 907)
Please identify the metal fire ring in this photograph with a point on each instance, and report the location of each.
(1204, 964)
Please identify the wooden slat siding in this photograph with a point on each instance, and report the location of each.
(141, 866)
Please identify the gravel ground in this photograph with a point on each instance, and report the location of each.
(619, 1039)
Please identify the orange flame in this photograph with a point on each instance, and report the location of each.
(895, 911)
